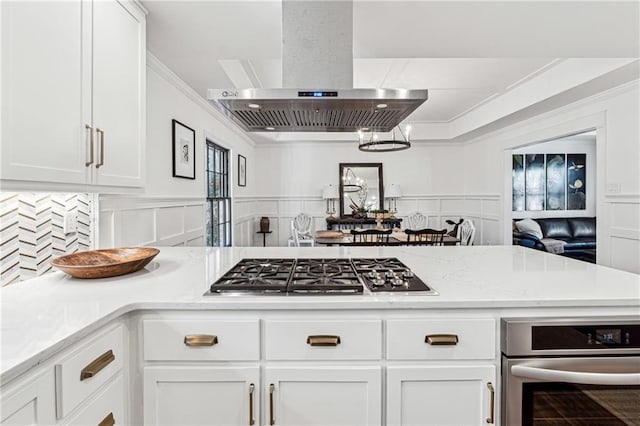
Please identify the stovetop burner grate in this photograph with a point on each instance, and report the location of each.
(319, 276)
(323, 275)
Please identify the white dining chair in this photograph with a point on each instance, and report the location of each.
(416, 221)
(301, 231)
(466, 233)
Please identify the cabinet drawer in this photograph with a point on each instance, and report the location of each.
(165, 340)
(108, 406)
(323, 340)
(87, 369)
(475, 339)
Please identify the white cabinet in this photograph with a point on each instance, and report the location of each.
(84, 385)
(73, 84)
(299, 369)
(311, 395)
(118, 93)
(440, 395)
(106, 408)
(30, 401)
(201, 395)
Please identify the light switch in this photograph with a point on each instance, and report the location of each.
(613, 188)
(70, 223)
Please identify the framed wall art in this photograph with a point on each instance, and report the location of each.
(242, 170)
(184, 150)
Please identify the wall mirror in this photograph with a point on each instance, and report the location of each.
(360, 189)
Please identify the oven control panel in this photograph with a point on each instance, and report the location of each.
(607, 336)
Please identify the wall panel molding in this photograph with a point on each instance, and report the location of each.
(151, 221)
(480, 208)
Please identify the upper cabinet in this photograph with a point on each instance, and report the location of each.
(73, 94)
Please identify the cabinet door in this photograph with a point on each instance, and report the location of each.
(30, 402)
(301, 396)
(118, 93)
(45, 100)
(201, 395)
(440, 395)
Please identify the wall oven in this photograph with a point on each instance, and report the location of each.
(580, 372)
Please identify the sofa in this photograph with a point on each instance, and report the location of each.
(578, 233)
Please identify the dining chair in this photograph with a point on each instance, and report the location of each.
(371, 237)
(301, 231)
(416, 221)
(427, 237)
(466, 233)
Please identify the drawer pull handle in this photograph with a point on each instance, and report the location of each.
(322, 340)
(252, 421)
(272, 419)
(200, 340)
(490, 419)
(98, 364)
(441, 339)
(108, 421)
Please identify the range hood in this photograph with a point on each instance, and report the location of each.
(317, 70)
(313, 110)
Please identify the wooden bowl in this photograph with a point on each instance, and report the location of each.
(105, 263)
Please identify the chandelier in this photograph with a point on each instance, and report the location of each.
(369, 141)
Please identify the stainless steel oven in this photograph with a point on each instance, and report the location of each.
(580, 372)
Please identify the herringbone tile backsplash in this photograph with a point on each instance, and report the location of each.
(32, 231)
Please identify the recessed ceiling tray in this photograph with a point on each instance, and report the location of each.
(105, 263)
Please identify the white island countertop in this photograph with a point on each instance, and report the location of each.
(43, 315)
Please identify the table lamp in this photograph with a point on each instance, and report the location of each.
(330, 193)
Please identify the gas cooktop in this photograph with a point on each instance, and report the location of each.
(320, 276)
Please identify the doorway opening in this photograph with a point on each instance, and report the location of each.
(553, 196)
(218, 203)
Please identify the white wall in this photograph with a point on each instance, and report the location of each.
(615, 116)
(431, 177)
(171, 210)
(576, 144)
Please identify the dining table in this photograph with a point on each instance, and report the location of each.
(396, 238)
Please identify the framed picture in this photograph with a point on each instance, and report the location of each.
(184, 150)
(242, 170)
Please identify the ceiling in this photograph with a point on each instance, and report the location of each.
(473, 56)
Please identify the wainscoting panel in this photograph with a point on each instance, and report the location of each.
(32, 231)
(625, 253)
(623, 233)
(170, 222)
(135, 221)
(135, 228)
(453, 205)
(281, 210)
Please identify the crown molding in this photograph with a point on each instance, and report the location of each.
(172, 78)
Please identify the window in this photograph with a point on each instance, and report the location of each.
(218, 196)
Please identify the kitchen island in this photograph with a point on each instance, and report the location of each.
(48, 321)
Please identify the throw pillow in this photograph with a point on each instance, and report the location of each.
(529, 226)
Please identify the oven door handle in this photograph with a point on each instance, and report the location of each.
(579, 377)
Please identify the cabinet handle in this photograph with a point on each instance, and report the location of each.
(200, 340)
(88, 159)
(101, 152)
(108, 421)
(491, 419)
(441, 339)
(97, 364)
(251, 419)
(272, 419)
(323, 340)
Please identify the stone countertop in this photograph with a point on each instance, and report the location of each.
(41, 316)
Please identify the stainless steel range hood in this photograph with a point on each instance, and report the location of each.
(317, 57)
(312, 110)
